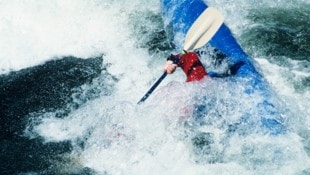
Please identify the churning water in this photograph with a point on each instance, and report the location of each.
(73, 71)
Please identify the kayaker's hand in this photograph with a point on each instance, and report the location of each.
(170, 67)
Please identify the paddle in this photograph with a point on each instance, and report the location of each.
(202, 30)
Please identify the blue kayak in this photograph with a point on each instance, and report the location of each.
(181, 14)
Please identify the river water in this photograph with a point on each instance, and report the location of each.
(72, 72)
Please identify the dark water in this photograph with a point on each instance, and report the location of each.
(55, 86)
(280, 32)
(282, 35)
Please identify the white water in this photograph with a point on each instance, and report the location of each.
(148, 139)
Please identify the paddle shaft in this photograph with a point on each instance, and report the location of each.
(149, 92)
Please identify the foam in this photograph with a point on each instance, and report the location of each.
(33, 32)
(119, 136)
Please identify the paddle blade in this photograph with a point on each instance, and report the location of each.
(203, 29)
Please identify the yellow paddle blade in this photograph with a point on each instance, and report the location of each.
(203, 29)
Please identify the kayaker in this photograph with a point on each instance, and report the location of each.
(190, 64)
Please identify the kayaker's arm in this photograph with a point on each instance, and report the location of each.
(172, 63)
(190, 64)
(170, 67)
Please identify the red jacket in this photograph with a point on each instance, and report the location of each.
(192, 67)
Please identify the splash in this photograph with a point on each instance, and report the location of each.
(110, 134)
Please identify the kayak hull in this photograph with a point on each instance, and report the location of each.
(181, 14)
